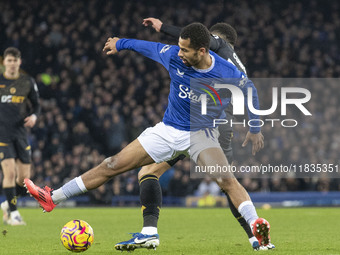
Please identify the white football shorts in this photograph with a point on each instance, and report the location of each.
(163, 142)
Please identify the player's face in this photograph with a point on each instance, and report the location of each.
(12, 65)
(189, 56)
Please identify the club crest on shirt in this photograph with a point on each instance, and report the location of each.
(179, 73)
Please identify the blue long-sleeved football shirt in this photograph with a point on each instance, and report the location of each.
(184, 111)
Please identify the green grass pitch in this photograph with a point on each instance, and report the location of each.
(182, 231)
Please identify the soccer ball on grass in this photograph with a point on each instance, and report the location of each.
(77, 235)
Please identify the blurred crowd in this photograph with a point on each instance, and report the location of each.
(93, 105)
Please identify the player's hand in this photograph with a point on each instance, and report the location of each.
(30, 121)
(257, 141)
(110, 46)
(155, 23)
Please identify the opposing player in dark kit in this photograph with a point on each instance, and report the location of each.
(16, 90)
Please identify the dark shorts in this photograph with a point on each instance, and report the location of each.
(15, 148)
(226, 135)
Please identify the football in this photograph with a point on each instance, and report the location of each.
(77, 235)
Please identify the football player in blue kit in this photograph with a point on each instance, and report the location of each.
(222, 42)
(176, 134)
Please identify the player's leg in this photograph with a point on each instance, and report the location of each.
(239, 218)
(151, 201)
(261, 241)
(241, 200)
(150, 190)
(21, 150)
(229, 184)
(23, 171)
(10, 213)
(131, 157)
(206, 151)
(151, 146)
(246, 208)
(225, 141)
(246, 211)
(215, 156)
(225, 138)
(151, 195)
(8, 187)
(23, 165)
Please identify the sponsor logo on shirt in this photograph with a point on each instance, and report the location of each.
(12, 99)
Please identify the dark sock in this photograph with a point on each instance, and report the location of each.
(151, 199)
(239, 217)
(20, 190)
(11, 198)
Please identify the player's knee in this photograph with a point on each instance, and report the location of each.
(22, 177)
(24, 171)
(9, 176)
(111, 165)
(141, 173)
(146, 170)
(154, 169)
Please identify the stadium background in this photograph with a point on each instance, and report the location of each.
(93, 105)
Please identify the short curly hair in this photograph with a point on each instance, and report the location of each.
(225, 31)
(198, 34)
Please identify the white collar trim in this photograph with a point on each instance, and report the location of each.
(208, 69)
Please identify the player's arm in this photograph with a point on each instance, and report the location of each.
(33, 97)
(159, 26)
(156, 51)
(254, 134)
(171, 30)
